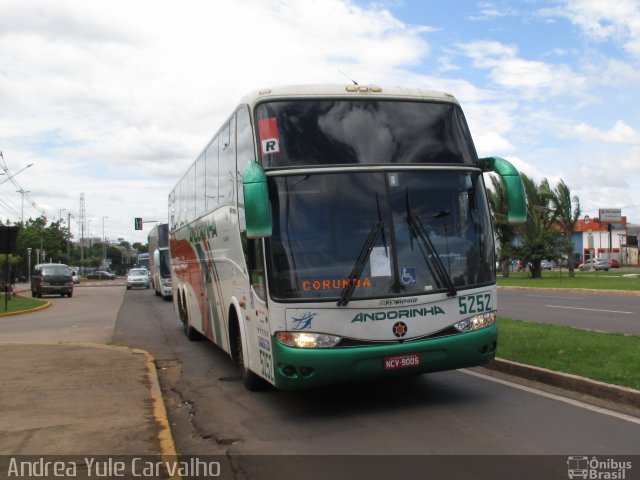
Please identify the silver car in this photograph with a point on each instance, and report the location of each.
(595, 264)
(138, 277)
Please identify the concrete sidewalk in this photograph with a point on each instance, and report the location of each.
(80, 399)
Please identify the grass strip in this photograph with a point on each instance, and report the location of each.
(19, 303)
(555, 279)
(607, 357)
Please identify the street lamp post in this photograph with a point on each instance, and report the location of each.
(29, 265)
(69, 236)
(104, 246)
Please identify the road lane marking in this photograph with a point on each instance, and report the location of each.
(591, 309)
(553, 396)
(556, 296)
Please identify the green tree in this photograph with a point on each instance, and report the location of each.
(141, 247)
(566, 212)
(39, 235)
(538, 240)
(505, 232)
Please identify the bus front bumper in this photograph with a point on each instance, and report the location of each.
(299, 368)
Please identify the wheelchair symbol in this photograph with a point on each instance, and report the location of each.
(408, 276)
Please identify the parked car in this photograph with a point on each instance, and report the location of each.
(547, 265)
(51, 278)
(613, 263)
(75, 274)
(138, 277)
(595, 263)
(101, 275)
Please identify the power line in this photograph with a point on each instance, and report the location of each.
(11, 177)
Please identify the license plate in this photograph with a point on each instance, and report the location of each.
(402, 361)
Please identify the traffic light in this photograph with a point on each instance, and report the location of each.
(138, 223)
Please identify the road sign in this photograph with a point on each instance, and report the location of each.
(610, 214)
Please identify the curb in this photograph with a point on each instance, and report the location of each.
(594, 388)
(29, 310)
(165, 437)
(167, 446)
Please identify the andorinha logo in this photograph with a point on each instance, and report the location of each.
(597, 469)
(202, 230)
(397, 314)
(400, 329)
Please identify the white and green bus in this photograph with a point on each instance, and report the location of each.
(333, 234)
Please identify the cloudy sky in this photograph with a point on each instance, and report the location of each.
(114, 99)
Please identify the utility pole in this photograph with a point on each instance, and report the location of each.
(23, 192)
(81, 221)
(69, 236)
(104, 246)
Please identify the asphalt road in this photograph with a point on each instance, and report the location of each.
(468, 425)
(460, 412)
(88, 316)
(603, 312)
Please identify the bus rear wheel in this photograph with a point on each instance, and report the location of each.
(190, 332)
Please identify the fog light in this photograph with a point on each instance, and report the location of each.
(306, 371)
(288, 370)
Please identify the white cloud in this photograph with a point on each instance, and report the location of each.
(620, 133)
(617, 21)
(530, 78)
(115, 99)
(489, 11)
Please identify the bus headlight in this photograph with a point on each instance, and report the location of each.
(308, 339)
(476, 322)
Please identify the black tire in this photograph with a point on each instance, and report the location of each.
(39, 293)
(190, 332)
(33, 293)
(250, 380)
(70, 294)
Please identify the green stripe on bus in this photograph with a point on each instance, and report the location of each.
(211, 301)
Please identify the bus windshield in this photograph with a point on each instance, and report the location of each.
(338, 132)
(415, 232)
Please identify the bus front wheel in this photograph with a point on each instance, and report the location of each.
(251, 381)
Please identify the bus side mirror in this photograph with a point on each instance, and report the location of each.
(257, 211)
(516, 199)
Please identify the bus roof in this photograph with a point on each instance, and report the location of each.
(346, 91)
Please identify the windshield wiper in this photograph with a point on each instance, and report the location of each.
(361, 262)
(418, 230)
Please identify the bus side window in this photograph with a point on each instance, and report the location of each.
(227, 163)
(256, 267)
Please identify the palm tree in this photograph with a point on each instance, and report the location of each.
(565, 215)
(505, 232)
(538, 242)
